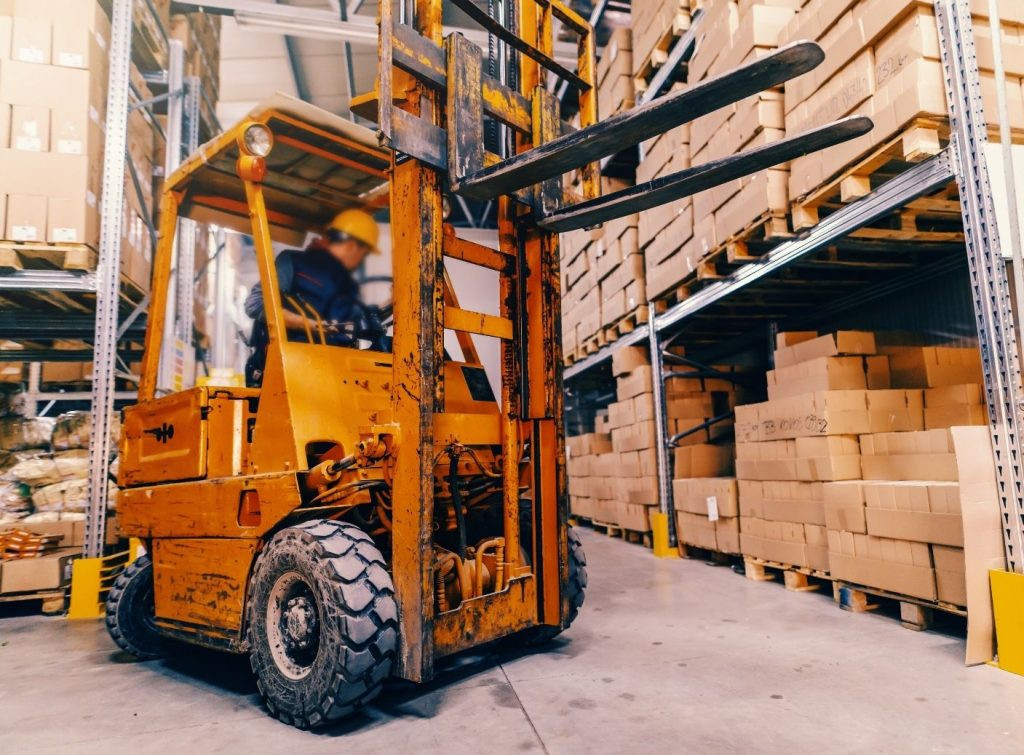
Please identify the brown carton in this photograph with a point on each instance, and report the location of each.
(636, 382)
(703, 460)
(905, 579)
(625, 359)
(26, 218)
(30, 128)
(714, 497)
(844, 342)
(31, 40)
(844, 506)
(49, 572)
(950, 576)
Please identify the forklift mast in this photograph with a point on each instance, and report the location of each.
(432, 98)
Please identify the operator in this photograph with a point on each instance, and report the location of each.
(318, 277)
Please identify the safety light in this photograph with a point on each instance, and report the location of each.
(257, 140)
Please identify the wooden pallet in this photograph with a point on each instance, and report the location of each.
(795, 578)
(742, 248)
(625, 325)
(53, 601)
(915, 613)
(614, 530)
(920, 139)
(657, 57)
(30, 255)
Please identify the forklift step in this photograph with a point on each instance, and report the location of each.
(701, 177)
(613, 134)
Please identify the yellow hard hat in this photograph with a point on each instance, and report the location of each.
(357, 224)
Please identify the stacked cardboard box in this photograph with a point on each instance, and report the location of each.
(603, 270)
(823, 392)
(754, 206)
(199, 34)
(53, 80)
(903, 528)
(884, 62)
(613, 474)
(707, 513)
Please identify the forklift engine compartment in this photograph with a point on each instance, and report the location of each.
(364, 513)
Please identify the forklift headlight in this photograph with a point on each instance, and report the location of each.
(257, 140)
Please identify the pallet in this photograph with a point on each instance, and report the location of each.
(795, 578)
(31, 255)
(630, 536)
(915, 613)
(625, 325)
(918, 140)
(746, 246)
(53, 601)
(657, 57)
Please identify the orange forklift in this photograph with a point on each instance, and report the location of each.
(369, 510)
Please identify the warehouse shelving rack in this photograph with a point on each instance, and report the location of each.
(755, 290)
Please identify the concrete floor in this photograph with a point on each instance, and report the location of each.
(666, 656)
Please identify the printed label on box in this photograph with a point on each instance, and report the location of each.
(29, 144)
(712, 508)
(30, 54)
(24, 233)
(71, 60)
(69, 146)
(68, 235)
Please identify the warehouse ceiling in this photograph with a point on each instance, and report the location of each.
(257, 61)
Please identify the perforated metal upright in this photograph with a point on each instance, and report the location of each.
(108, 274)
(990, 286)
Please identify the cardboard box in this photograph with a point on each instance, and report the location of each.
(722, 535)
(636, 382)
(783, 501)
(588, 444)
(75, 46)
(31, 40)
(942, 417)
(827, 374)
(73, 220)
(844, 506)
(30, 128)
(831, 413)
(49, 572)
(933, 366)
(950, 575)
(625, 359)
(713, 497)
(703, 460)
(919, 526)
(925, 455)
(905, 579)
(844, 342)
(26, 218)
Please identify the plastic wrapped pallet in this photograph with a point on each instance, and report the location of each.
(68, 496)
(19, 433)
(47, 469)
(74, 429)
(14, 503)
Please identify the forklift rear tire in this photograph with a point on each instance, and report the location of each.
(129, 609)
(576, 588)
(323, 622)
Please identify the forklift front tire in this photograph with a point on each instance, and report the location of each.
(323, 622)
(130, 612)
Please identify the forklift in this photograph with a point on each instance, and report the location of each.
(374, 507)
